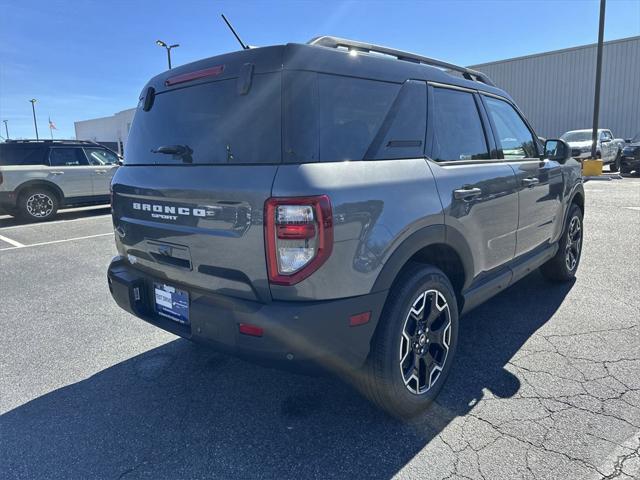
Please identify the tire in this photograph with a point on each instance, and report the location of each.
(38, 204)
(563, 266)
(615, 166)
(387, 379)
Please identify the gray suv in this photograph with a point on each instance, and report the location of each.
(338, 204)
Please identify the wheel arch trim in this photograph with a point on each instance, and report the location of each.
(418, 240)
(40, 184)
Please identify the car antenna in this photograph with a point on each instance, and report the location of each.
(244, 47)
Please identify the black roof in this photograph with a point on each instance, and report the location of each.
(334, 55)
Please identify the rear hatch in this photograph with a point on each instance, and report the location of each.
(201, 156)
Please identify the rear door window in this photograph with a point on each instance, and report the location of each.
(514, 137)
(457, 128)
(67, 157)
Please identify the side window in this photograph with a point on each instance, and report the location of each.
(514, 137)
(67, 157)
(605, 135)
(458, 132)
(21, 154)
(351, 113)
(100, 156)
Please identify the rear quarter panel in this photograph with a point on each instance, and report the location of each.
(376, 206)
(15, 176)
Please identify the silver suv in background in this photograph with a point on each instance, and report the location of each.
(37, 177)
(609, 149)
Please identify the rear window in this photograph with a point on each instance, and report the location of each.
(213, 122)
(22, 154)
(298, 116)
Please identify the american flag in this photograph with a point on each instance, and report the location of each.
(52, 126)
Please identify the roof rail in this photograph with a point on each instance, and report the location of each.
(45, 140)
(336, 42)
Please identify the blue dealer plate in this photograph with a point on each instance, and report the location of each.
(171, 302)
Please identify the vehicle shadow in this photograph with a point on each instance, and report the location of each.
(70, 214)
(184, 411)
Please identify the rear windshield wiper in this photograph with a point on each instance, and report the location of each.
(182, 151)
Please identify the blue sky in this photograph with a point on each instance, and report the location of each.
(86, 59)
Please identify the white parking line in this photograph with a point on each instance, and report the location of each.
(11, 242)
(55, 221)
(20, 245)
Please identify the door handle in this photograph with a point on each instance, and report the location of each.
(466, 193)
(530, 182)
(100, 172)
(56, 172)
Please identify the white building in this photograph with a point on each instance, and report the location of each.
(110, 131)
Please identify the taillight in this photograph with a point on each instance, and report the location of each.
(298, 237)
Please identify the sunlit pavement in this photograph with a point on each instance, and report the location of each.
(546, 383)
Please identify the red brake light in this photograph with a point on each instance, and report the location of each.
(188, 77)
(298, 237)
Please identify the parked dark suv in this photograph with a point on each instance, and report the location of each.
(630, 160)
(336, 203)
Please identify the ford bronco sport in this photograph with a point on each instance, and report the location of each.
(336, 203)
(39, 176)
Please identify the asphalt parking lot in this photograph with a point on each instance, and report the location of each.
(546, 383)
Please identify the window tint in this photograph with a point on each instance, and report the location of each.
(351, 113)
(458, 132)
(514, 137)
(100, 156)
(212, 119)
(21, 154)
(66, 157)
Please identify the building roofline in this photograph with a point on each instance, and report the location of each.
(554, 52)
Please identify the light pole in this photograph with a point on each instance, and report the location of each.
(6, 129)
(596, 102)
(160, 43)
(35, 123)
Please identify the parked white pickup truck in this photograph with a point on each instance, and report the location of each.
(609, 149)
(39, 176)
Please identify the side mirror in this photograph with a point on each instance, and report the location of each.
(556, 149)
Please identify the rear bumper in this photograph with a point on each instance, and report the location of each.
(296, 334)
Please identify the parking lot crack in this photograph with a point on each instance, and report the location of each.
(618, 467)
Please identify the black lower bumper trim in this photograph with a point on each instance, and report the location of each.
(295, 333)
